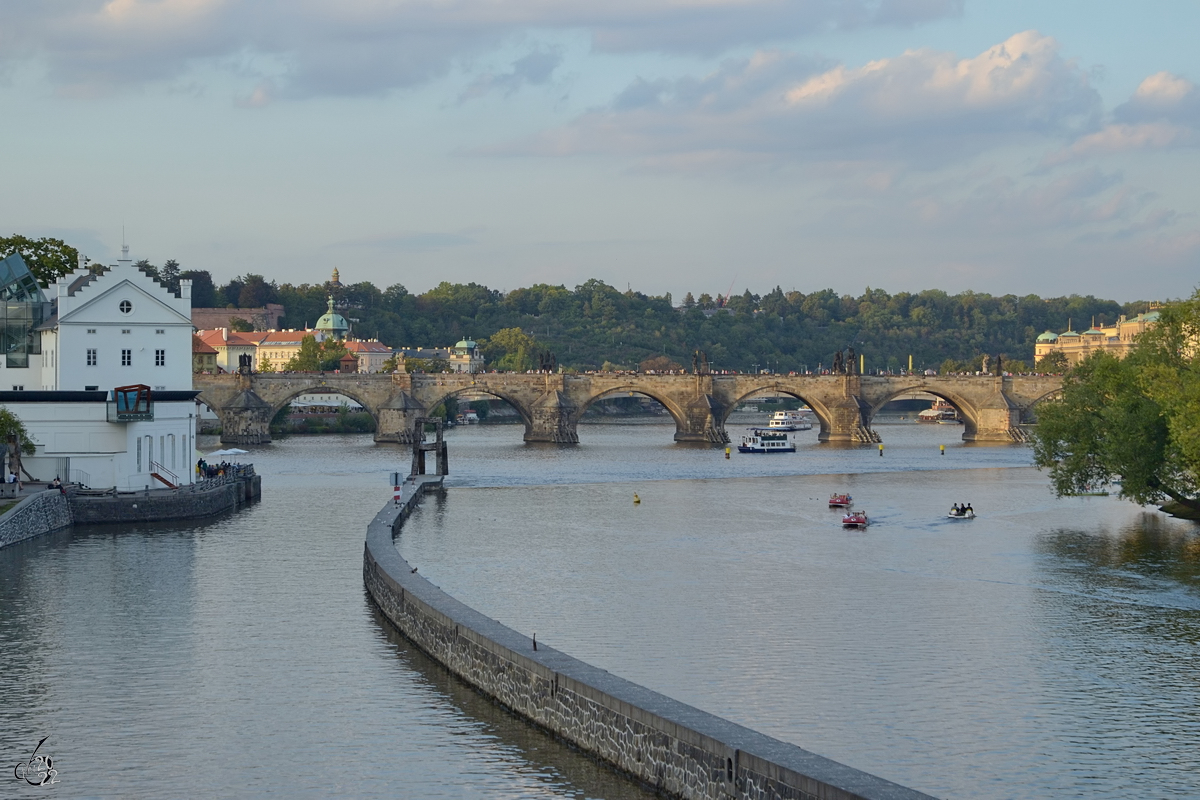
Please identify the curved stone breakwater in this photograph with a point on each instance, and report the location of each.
(680, 750)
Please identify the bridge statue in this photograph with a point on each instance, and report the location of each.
(993, 408)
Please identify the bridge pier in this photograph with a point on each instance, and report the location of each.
(702, 422)
(553, 418)
(396, 418)
(246, 419)
(998, 419)
(849, 416)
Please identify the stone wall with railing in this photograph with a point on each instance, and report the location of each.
(679, 750)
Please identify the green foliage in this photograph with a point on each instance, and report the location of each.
(391, 365)
(1136, 421)
(10, 426)
(240, 324)
(204, 293)
(1053, 363)
(510, 350)
(784, 331)
(265, 365)
(314, 356)
(48, 259)
(659, 364)
(426, 364)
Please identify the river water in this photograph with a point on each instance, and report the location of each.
(1046, 649)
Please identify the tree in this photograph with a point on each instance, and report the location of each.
(240, 325)
(204, 293)
(659, 364)
(1135, 421)
(255, 292)
(1054, 362)
(510, 349)
(48, 259)
(426, 365)
(307, 358)
(391, 365)
(265, 365)
(12, 430)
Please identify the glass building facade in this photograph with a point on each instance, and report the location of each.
(24, 307)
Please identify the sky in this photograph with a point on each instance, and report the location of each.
(664, 145)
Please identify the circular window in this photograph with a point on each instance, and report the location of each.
(126, 306)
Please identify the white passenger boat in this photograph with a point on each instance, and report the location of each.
(941, 412)
(759, 440)
(790, 421)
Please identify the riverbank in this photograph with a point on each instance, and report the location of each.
(42, 511)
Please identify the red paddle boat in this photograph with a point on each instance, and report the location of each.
(855, 519)
(840, 500)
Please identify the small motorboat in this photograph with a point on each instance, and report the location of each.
(855, 519)
(962, 513)
(840, 500)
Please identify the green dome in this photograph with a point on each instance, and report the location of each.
(466, 344)
(332, 322)
(1048, 336)
(1067, 333)
(1151, 316)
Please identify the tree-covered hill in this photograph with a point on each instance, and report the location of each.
(595, 323)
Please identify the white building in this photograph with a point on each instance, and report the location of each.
(73, 350)
(466, 357)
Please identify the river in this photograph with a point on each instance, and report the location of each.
(1045, 649)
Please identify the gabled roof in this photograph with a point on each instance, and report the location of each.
(200, 347)
(367, 347)
(222, 338)
(124, 285)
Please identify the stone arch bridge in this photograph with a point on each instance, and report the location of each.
(993, 408)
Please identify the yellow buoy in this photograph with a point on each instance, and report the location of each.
(727, 452)
(636, 499)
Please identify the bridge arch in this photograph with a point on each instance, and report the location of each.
(823, 413)
(967, 411)
(278, 404)
(492, 391)
(678, 414)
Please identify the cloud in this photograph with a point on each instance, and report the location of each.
(370, 46)
(923, 107)
(1163, 114)
(534, 69)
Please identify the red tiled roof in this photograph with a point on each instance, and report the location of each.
(218, 338)
(199, 346)
(368, 347)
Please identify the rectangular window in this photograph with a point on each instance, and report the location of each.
(160, 358)
(160, 330)
(126, 358)
(125, 330)
(91, 357)
(91, 330)
(18, 388)
(139, 454)
(90, 388)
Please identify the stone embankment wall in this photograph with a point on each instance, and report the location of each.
(680, 750)
(42, 513)
(163, 506)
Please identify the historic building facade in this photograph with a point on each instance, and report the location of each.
(1117, 338)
